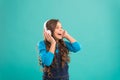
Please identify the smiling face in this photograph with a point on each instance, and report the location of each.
(58, 32)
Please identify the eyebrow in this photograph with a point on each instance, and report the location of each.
(58, 27)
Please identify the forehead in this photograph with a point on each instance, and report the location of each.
(58, 24)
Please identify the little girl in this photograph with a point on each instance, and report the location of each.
(54, 51)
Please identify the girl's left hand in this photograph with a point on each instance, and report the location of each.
(68, 37)
(65, 34)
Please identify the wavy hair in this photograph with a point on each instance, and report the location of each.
(63, 51)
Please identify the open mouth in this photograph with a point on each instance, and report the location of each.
(59, 34)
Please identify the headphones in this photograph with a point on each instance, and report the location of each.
(45, 28)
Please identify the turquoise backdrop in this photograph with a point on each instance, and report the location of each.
(94, 23)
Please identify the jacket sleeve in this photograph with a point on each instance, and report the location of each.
(73, 47)
(46, 56)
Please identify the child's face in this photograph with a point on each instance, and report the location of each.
(58, 33)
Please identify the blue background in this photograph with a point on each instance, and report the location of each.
(94, 23)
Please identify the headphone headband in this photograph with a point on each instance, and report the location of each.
(45, 28)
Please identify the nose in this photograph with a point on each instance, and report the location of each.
(61, 30)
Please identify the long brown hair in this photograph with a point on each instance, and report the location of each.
(63, 51)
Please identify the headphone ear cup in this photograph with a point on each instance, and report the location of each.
(49, 32)
(45, 29)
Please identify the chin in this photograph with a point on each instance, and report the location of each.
(58, 38)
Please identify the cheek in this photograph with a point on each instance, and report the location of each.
(55, 34)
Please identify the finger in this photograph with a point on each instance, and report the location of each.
(63, 32)
(49, 36)
(46, 36)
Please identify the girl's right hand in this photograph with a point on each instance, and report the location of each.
(49, 38)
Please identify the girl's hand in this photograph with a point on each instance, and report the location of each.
(65, 34)
(49, 38)
(68, 37)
